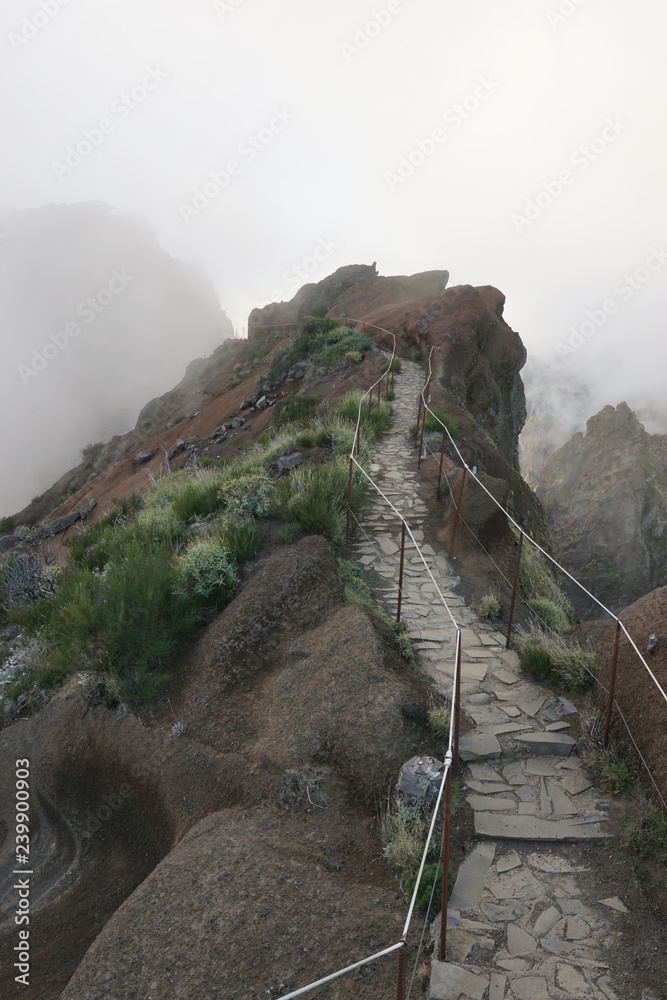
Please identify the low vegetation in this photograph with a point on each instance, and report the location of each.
(542, 593)
(546, 656)
(357, 590)
(435, 419)
(145, 579)
(489, 608)
(324, 344)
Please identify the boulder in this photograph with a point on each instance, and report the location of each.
(179, 447)
(419, 781)
(287, 462)
(143, 456)
(237, 422)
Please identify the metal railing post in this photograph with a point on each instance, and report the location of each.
(457, 698)
(612, 685)
(515, 588)
(444, 858)
(419, 419)
(421, 442)
(458, 510)
(442, 456)
(401, 972)
(349, 503)
(400, 574)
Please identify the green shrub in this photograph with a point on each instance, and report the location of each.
(248, 495)
(354, 357)
(647, 836)
(206, 573)
(242, 539)
(288, 533)
(318, 499)
(294, 409)
(426, 887)
(538, 585)
(403, 832)
(6, 525)
(489, 608)
(549, 613)
(548, 657)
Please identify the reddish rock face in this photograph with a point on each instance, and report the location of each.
(605, 493)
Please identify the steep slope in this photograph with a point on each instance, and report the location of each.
(605, 493)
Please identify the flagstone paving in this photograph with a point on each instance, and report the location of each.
(523, 924)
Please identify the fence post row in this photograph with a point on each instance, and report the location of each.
(515, 588)
(612, 685)
(458, 510)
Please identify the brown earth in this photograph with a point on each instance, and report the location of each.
(249, 887)
(640, 700)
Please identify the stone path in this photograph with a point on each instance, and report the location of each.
(518, 926)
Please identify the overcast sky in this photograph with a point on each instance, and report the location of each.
(519, 143)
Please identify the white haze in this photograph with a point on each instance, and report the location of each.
(220, 72)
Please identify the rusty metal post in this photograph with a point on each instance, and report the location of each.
(458, 510)
(444, 858)
(457, 698)
(419, 418)
(612, 685)
(515, 588)
(349, 503)
(421, 442)
(401, 973)
(442, 456)
(400, 574)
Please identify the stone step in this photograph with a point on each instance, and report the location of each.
(497, 826)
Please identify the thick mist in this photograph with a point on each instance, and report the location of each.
(515, 144)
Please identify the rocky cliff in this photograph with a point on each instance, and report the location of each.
(605, 493)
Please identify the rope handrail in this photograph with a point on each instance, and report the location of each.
(532, 541)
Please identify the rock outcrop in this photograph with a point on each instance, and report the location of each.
(605, 494)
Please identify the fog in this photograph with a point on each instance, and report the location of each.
(519, 144)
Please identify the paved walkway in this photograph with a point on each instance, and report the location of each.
(519, 928)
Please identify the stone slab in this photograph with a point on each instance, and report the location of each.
(505, 728)
(508, 862)
(561, 802)
(514, 773)
(566, 706)
(505, 911)
(542, 767)
(614, 903)
(510, 710)
(498, 827)
(533, 706)
(505, 676)
(519, 941)
(449, 981)
(479, 746)
(548, 744)
(497, 986)
(483, 772)
(557, 727)
(471, 877)
(493, 803)
(487, 787)
(546, 920)
(520, 884)
(530, 988)
(576, 782)
(480, 698)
